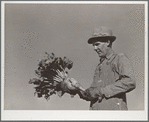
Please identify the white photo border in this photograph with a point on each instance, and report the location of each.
(73, 115)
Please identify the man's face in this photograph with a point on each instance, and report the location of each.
(101, 48)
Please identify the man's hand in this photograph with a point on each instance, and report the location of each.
(66, 86)
(94, 93)
(76, 84)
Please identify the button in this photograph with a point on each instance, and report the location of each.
(100, 81)
(118, 103)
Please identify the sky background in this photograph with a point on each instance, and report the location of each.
(32, 29)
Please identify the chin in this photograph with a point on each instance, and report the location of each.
(100, 55)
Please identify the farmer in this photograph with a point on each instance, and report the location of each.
(113, 76)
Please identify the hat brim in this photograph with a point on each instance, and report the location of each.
(101, 39)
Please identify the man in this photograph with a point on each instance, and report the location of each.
(113, 75)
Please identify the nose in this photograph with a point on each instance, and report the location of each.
(95, 47)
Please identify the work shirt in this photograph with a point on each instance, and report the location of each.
(114, 76)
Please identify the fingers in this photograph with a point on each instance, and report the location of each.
(74, 84)
(81, 88)
(73, 81)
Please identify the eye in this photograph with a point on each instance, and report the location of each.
(96, 44)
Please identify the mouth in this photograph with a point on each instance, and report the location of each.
(98, 51)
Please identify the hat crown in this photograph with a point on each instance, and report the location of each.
(102, 31)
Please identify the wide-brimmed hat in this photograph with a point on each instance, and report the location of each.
(101, 34)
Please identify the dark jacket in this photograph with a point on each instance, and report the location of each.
(114, 76)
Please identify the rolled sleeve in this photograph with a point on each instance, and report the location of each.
(83, 96)
(125, 82)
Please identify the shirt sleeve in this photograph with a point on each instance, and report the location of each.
(126, 81)
(83, 96)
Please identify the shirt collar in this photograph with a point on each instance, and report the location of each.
(110, 54)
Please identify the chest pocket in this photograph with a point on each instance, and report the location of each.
(97, 81)
(105, 74)
(108, 74)
(114, 70)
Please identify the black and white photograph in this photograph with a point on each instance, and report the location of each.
(71, 60)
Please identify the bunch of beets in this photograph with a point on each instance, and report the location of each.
(51, 72)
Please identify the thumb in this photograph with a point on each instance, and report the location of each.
(71, 78)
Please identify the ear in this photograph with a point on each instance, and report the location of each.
(108, 43)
